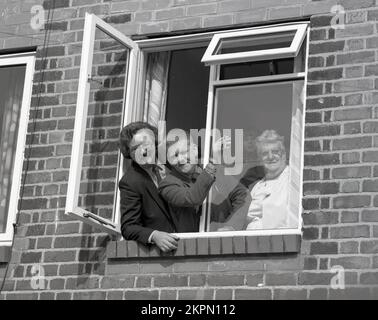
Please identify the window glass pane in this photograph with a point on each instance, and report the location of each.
(253, 190)
(98, 184)
(256, 69)
(185, 104)
(188, 84)
(11, 90)
(255, 42)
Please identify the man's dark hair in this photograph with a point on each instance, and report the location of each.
(128, 132)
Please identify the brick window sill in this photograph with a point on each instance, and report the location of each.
(209, 247)
(5, 254)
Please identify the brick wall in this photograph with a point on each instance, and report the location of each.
(341, 170)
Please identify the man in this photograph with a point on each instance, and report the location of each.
(145, 216)
(268, 208)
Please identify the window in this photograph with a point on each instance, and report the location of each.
(16, 74)
(245, 83)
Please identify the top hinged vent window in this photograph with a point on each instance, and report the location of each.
(255, 45)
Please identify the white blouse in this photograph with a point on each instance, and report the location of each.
(269, 206)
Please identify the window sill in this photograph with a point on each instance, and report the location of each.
(237, 245)
(5, 254)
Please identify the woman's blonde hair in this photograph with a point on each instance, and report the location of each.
(270, 136)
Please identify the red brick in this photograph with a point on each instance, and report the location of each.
(323, 130)
(370, 246)
(322, 159)
(225, 280)
(320, 188)
(315, 278)
(323, 248)
(253, 294)
(117, 282)
(325, 47)
(351, 201)
(226, 244)
(186, 23)
(215, 246)
(168, 295)
(223, 294)
(190, 247)
(31, 257)
(369, 216)
(203, 246)
(318, 294)
(352, 143)
(351, 172)
(171, 281)
(319, 218)
(370, 156)
(370, 186)
(350, 4)
(349, 247)
(310, 233)
(114, 295)
(280, 279)
(198, 280)
(290, 294)
(199, 294)
(350, 157)
(219, 20)
(357, 231)
(89, 295)
(349, 217)
(369, 278)
(201, 9)
(351, 262)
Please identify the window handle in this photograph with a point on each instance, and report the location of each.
(98, 219)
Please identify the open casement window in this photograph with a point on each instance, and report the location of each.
(16, 80)
(255, 44)
(104, 104)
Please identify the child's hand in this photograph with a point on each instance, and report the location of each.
(221, 143)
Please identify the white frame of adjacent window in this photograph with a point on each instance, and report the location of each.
(91, 23)
(134, 92)
(27, 59)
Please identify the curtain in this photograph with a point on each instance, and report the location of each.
(156, 87)
(11, 90)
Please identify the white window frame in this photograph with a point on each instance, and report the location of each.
(210, 57)
(198, 40)
(133, 109)
(27, 59)
(91, 23)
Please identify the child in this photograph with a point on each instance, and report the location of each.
(187, 185)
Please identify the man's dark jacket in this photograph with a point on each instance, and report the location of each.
(143, 210)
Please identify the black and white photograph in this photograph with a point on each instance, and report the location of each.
(188, 155)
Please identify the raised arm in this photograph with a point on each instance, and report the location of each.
(175, 193)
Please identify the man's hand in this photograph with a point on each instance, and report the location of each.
(165, 241)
